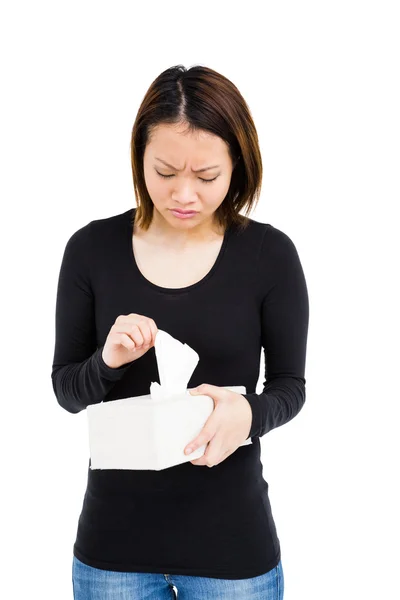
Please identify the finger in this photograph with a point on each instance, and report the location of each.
(134, 331)
(224, 456)
(146, 333)
(202, 461)
(204, 437)
(210, 390)
(154, 330)
(126, 341)
(210, 429)
(213, 452)
(140, 330)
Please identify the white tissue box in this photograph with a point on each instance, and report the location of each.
(152, 431)
(143, 433)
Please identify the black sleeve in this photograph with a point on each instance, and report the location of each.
(79, 374)
(284, 320)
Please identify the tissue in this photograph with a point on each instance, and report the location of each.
(176, 362)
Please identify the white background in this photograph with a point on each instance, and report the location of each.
(322, 82)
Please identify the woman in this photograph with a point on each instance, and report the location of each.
(226, 285)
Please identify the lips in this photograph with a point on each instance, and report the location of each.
(184, 212)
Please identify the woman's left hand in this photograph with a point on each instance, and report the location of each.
(226, 428)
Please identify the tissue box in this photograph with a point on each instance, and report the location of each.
(147, 433)
(151, 432)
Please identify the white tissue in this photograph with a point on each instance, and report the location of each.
(176, 362)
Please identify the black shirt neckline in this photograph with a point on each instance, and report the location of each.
(166, 290)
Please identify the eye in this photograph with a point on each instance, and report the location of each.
(201, 179)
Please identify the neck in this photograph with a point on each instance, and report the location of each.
(162, 233)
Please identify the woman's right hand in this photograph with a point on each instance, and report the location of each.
(129, 338)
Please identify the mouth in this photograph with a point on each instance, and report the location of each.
(184, 212)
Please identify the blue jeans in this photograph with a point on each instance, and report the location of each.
(90, 583)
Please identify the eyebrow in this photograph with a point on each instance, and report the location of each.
(194, 171)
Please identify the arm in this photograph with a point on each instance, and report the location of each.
(284, 321)
(79, 374)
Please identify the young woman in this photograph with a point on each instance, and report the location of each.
(185, 261)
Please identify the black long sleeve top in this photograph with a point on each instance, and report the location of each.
(187, 519)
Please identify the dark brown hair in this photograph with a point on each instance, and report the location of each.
(201, 99)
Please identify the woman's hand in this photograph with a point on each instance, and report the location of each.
(129, 338)
(226, 428)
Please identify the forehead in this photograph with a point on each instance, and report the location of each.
(174, 144)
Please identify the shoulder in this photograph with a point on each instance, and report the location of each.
(278, 265)
(98, 231)
(277, 241)
(274, 252)
(268, 238)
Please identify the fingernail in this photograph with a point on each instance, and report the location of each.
(188, 450)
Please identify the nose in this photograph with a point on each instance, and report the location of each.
(184, 193)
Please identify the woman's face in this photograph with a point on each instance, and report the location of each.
(178, 185)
